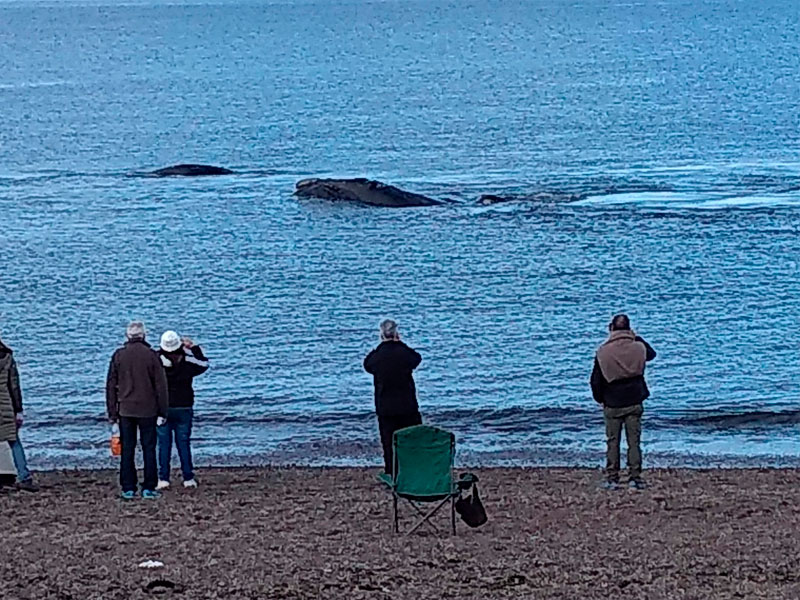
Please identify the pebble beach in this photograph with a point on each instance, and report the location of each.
(308, 533)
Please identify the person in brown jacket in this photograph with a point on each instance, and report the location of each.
(137, 399)
(618, 384)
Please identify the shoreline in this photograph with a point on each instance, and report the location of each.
(375, 468)
(310, 532)
(365, 456)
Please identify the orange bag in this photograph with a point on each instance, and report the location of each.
(116, 443)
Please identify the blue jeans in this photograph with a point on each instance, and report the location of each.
(21, 464)
(179, 424)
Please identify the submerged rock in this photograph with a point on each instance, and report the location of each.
(191, 171)
(361, 190)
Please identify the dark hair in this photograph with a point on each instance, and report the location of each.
(620, 322)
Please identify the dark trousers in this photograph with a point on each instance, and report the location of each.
(179, 425)
(631, 418)
(387, 427)
(128, 427)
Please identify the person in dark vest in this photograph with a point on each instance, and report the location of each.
(618, 385)
(392, 365)
(183, 361)
(137, 398)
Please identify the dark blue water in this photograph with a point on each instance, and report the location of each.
(650, 150)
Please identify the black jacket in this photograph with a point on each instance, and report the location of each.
(136, 385)
(392, 364)
(623, 392)
(180, 374)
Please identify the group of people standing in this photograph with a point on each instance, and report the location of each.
(149, 395)
(617, 383)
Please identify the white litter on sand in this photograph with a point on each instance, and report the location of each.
(151, 564)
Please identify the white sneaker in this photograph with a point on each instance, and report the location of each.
(162, 485)
(190, 483)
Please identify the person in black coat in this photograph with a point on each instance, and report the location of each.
(392, 365)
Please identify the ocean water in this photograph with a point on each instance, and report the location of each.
(649, 151)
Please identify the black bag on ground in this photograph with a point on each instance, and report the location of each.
(471, 509)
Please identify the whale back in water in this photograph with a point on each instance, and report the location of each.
(191, 171)
(364, 191)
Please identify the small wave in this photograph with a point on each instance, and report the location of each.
(508, 419)
(45, 177)
(743, 420)
(36, 84)
(575, 192)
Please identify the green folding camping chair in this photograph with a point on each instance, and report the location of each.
(423, 473)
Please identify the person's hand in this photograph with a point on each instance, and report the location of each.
(19, 418)
(187, 342)
(160, 421)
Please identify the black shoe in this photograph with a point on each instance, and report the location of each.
(637, 484)
(27, 486)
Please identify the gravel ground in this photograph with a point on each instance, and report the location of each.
(326, 533)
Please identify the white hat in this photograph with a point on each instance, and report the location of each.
(170, 341)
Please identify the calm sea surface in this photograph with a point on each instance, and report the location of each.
(651, 148)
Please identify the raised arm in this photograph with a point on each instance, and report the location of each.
(651, 354)
(196, 360)
(414, 358)
(369, 362)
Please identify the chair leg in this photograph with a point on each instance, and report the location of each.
(453, 513)
(425, 518)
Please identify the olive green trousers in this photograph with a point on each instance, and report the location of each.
(630, 418)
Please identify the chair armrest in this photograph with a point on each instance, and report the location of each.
(386, 479)
(466, 481)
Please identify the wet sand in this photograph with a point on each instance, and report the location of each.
(326, 533)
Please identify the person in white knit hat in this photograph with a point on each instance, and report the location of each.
(183, 361)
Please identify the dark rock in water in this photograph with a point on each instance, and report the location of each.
(489, 199)
(191, 171)
(364, 191)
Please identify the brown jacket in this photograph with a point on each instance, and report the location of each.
(136, 385)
